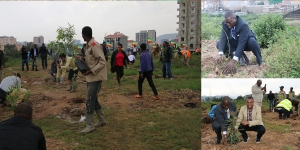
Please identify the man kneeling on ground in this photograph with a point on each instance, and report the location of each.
(249, 119)
(221, 115)
(284, 107)
(7, 84)
(20, 133)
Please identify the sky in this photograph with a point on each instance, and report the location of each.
(237, 87)
(24, 20)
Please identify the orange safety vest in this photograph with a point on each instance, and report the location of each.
(186, 51)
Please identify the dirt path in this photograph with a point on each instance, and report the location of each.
(271, 140)
(209, 69)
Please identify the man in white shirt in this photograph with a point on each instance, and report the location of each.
(8, 84)
(221, 115)
(131, 58)
(258, 92)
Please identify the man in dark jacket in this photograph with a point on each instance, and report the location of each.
(221, 115)
(105, 51)
(44, 52)
(166, 59)
(24, 58)
(271, 98)
(34, 54)
(237, 33)
(2, 62)
(19, 133)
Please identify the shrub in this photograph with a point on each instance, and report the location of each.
(283, 56)
(17, 96)
(266, 27)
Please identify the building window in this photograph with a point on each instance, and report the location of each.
(191, 38)
(192, 24)
(182, 39)
(191, 45)
(183, 12)
(192, 31)
(193, 11)
(182, 25)
(182, 31)
(193, 3)
(183, 4)
(192, 17)
(183, 19)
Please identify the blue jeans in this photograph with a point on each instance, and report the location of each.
(25, 61)
(167, 68)
(92, 104)
(271, 104)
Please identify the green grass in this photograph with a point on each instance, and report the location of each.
(146, 129)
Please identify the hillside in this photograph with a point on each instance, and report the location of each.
(166, 36)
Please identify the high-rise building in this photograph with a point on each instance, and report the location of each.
(189, 23)
(142, 36)
(38, 40)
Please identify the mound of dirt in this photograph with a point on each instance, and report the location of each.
(210, 69)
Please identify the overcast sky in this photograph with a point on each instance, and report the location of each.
(236, 87)
(24, 20)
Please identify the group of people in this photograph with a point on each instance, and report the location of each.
(34, 53)
(249, 116)
(282, 103)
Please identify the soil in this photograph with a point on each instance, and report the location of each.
(210, 69)
(51, 99)
(271, 140)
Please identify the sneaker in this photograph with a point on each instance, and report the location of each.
(257, 140)
(246, 140)
(171, 78)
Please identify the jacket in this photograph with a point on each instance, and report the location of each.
(24, 54)
(32, 53)
(70, 64)
(113, 58)
(286, 104)
(43, 51)
(257, 93)
(21, 134)
(220, 115)
(166, 54)
(95, 59)
(256, 116)
(242, 34)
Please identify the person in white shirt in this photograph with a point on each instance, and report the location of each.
(131, 58)
(8, 84)
(134, 50)
(258, 93)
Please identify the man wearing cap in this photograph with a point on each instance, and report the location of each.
(281, 94)
(258, 92)
(292, 93)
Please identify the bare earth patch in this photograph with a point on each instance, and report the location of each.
(209, 69)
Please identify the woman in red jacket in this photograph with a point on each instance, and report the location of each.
(119, 59)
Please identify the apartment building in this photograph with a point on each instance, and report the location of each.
(38, 40)
(116, 38)
(189, 23)
(142, 36)
(4, 40)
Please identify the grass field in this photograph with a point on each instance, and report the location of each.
(165, 127)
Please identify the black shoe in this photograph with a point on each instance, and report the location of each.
(36, 70)
(280, 117)
(246, 140)
(218, 142)
(257, 140)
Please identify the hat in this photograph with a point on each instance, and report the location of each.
(291, 87)
(281, 86)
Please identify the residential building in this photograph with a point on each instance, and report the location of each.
(129, 43)
(142, 36)
(189, 23)
(116, 38)
(4, 40)
(38, 40)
